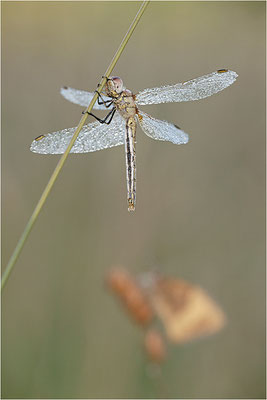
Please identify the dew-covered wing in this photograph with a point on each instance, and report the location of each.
(161, 130)
(82, 97)
(195, 89)
(93, 137)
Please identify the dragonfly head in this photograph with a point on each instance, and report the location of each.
(114, 86)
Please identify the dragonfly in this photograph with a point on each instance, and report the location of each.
(119, 125)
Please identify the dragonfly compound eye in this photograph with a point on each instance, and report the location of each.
(118, 84)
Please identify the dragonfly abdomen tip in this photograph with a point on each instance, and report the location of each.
(131, 207)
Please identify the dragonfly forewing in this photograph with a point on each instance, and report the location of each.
(194, 89)
(81, 97)
(161, 130)
(92, 137)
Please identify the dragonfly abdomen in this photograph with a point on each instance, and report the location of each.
(130, 162)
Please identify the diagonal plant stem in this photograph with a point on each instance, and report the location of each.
(62, 160)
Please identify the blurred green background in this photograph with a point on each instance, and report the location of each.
(200, 207)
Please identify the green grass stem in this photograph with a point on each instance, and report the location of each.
(62, 160)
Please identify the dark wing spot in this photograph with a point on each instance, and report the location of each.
(139, 115)
(39, 138)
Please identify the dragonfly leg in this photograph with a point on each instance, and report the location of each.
(105, 120)
(106, 102)
(107, 78)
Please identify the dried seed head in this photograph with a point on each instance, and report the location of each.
(132, 295)
(155, 346)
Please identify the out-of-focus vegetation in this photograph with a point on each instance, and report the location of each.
(200, 207)
(185, 312)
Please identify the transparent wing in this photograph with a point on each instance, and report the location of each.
(93, 137)
(81, 97)
(161, 130)
(195, 89)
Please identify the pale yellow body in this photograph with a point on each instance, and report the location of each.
(125, 105)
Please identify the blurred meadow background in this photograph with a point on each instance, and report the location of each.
(200, 211)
